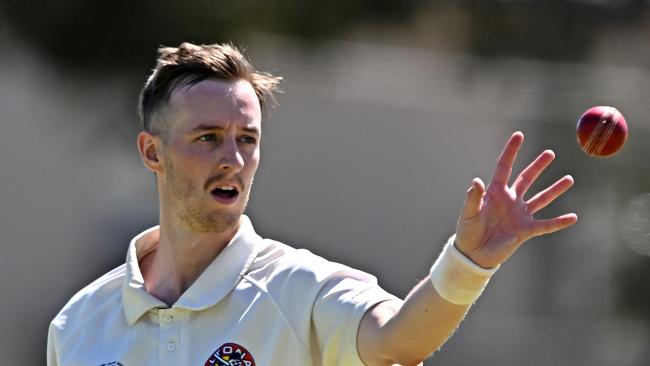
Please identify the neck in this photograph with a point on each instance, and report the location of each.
(180, 258)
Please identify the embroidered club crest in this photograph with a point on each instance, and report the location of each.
(230, 354)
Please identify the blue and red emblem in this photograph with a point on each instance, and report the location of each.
(230, 354)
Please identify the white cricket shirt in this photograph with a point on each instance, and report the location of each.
(260, 302)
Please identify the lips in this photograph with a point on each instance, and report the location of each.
(225, 194)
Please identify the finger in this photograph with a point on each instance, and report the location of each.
(545, 197)
(474, 199)
(532, 172)
(542, 227)
(507, 158)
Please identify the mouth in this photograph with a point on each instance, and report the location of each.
(225, 194)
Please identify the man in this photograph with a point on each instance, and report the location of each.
(203, 288)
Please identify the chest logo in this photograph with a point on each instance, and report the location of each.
(230, 354)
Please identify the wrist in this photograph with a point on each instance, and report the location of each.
(457, 278)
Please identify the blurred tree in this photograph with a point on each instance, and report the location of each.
(558, 30)
(120, 33)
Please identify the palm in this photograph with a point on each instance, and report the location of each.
(496, 220)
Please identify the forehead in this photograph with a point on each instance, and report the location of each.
(216, 101)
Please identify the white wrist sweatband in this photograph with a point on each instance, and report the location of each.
(456, 278)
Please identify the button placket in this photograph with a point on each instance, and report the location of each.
(168, 318)
(170, 335)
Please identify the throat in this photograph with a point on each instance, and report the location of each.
(169, 272)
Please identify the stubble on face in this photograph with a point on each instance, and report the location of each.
(192, 207)
(184, 186)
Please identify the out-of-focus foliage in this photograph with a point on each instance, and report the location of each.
(120, 33)
(553, 29)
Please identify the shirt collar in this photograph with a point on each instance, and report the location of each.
(216, 281)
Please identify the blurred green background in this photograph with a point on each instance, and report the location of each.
(390, 109)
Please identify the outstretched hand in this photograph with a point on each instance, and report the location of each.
(496, 220)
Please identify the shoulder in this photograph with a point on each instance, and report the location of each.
(96, 298)
(278, 263)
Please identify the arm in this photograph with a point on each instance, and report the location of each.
(494, 222)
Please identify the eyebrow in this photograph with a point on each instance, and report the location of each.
(207, 127)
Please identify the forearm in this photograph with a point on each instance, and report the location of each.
(422, 324)
(407, 332)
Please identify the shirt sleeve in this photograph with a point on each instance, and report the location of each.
(52, 359)
(337, 313)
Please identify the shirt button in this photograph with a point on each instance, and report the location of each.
(168, 318)
(171, 346)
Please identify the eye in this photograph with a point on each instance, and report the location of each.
(207, 138)
(248, 139)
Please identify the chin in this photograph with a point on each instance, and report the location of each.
(207, 218)
(216, 222)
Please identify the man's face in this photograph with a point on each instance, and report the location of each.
(211, 153)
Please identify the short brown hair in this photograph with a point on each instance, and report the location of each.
(189, 64)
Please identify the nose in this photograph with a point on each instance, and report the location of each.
(230, 159)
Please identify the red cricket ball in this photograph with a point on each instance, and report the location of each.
(601, 131)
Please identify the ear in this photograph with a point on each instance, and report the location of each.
(149, 147)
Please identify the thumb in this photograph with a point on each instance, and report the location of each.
(474, 199)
